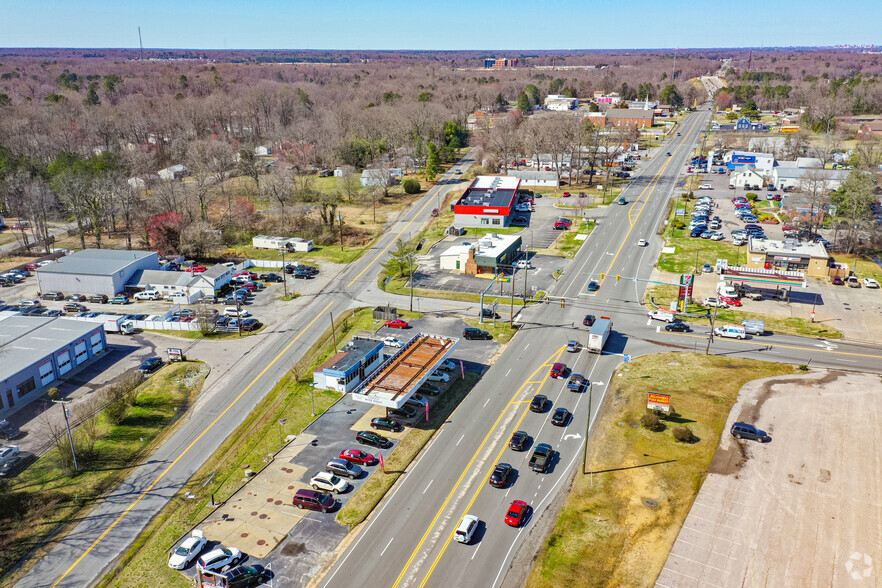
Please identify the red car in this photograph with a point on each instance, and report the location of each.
(32, 266)
(357, 456)
(558, 370)
(396, 324)
(196, 269)
(249, 286)
(730, 300)
(566, 194)
(516, 513)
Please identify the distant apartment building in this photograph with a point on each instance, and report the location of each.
(494, 63)
(611, 99)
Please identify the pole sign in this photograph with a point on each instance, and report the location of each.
(659, 402)
(686, 283)
(175, 354)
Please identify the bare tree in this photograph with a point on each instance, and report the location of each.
(198, 239)
(278, 187)
(349, 186)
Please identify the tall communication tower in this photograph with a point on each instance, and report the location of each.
(140, 45)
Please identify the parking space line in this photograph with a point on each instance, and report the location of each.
(706, 565)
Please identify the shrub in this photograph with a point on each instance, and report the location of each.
(411, 186)
(751, 196)
(650, 421)
(115, 411)
(683, 434)
(678, 224)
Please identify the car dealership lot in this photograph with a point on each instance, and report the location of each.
(801, 509)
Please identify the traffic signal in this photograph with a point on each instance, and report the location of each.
(548, 301)
(618, 277)
(562, 303)
(602, 276)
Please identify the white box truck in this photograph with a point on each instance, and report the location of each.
(599, 334)
(117, 324)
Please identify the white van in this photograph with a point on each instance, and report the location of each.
(662, 315)
(148, 295)
(731, 331)
(233, 311)
(726, 289)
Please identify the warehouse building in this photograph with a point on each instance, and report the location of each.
(350, 366)
(488, 202)
(37, 351)
(95, 271)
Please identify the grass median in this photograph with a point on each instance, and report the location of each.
(375, 488)
(617, 525)
(250, 446)
(46, 498)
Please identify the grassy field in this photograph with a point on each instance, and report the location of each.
(397, 286)
(617, 527)
(374, 489)
(567, 245)
(662, 295)
(500, 329)
(863, 268)
(46, 496)
(143, 564)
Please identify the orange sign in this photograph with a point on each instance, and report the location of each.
(659, 402)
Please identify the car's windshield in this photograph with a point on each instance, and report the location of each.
(182, 551)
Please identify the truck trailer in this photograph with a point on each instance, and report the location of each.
(599, 334)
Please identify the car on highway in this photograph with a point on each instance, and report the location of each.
(358, 457)
(746, 431)
(588, 320)
(466, 528)
(501, 475)
(396, 324)
(593, 286)
(328, 482)
(516, 513)
(730, 300)
(343, 468)
(519, 440)
(314, 500)
(151, 364)
(642, 243)
(576, 382)
(539, 403)
(668, 154)
(386, 424)
(560, 418)
(489, 313)
(662, 315)
(219, 558)
(573, 346)
(372, 439)
(392, 342)
(558, 370)
(678, 327)
(52, 296)
(187, 551)
(472, 333)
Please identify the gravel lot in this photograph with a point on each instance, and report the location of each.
(802, 509)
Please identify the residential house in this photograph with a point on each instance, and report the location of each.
(541, 179)
(174, 172)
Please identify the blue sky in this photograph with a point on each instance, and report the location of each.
(453, 24)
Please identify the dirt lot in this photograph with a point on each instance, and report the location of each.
(802, 509)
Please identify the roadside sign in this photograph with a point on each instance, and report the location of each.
(627, 358)
(659, 402)
(175, 354)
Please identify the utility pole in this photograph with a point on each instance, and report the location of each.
(710, 336)
(374, 202)
(284, 281)
(333, 333)
(410, 265)
(340, 218)
(69, 435)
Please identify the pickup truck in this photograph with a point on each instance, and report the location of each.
(540, 458)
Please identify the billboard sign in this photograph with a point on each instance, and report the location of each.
(659, 402)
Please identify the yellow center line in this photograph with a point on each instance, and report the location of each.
(188, 448)
(395, 238)
(763, 344)
(481, 486)
(651, 188)
(467, 469)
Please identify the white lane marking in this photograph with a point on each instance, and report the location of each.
(508, 372)
(427, 485)
(476, 551)
(507, 491)
(486, 401)
(849, 360)
(525, 346)
(460, 439)
(658, 329)
(648, 322)
(387, 546)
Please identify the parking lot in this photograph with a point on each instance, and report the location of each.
(261, 520)
(801, 509)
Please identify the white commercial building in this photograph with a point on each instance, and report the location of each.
(279, 243)
(560, 102)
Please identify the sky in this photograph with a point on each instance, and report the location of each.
(440, 25)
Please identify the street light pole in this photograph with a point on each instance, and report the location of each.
(284, 281)
(340, 218)
(312, 395)
(69, 435)
(410, 265)
(374, 203)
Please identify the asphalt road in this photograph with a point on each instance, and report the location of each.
(408, 541)
(79, 558)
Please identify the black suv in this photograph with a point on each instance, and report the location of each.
(539, 402)
(588, 320)
(472, 333)
(745, 431)
(519, 440)
(99, 298)
(500, 476)
(405, 412)
(372, 439)
(8, 430)
(488, 313)
(386, 424)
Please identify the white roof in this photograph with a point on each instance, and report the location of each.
(501, 182)
(487, 245)
(815, 250)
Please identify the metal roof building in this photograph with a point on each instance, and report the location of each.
(346, 369)
(36, 351)
(95, 271)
